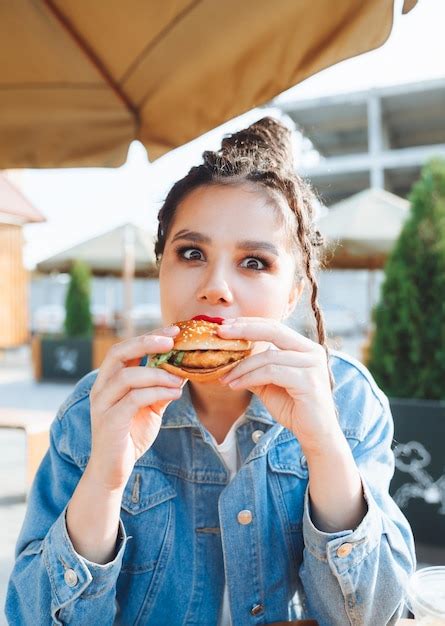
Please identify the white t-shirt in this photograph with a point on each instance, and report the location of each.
(229, 453)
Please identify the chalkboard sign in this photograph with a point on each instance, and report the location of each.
(418, 486)
(67, 358)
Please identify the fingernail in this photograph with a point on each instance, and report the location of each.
(170, 330)
(149, 339)
(175, 379)
(228, 327)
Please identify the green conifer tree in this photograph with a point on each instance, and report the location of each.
(407, 354)
(78, 318)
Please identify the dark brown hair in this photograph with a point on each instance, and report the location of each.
(260, 155)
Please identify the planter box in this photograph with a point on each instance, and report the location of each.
(68, 358)
(102, 342)
(418, 485)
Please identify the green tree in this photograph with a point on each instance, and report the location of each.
(78, 319)
(407, 354)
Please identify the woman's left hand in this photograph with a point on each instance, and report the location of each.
(292, 381)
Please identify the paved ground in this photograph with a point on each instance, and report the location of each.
(18, 389)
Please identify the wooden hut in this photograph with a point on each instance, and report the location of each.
(15, 212)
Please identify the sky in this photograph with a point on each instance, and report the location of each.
(81, 203)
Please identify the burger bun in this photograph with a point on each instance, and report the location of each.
(200, 376)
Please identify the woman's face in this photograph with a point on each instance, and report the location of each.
(225, 256)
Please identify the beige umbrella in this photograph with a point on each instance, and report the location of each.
(361, 231)
(126, 250)
(80, 80)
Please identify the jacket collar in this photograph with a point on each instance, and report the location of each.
(181, 412)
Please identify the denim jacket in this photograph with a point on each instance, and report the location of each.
(181, 535)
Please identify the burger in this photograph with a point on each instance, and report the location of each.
(199, 353)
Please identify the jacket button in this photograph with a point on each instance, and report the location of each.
(344, 550)
(256, 435)
(257, 609)
(244, 517)
(70, 577)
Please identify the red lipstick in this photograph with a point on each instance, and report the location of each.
(207, 318)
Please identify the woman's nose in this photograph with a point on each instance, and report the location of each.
(215, 290)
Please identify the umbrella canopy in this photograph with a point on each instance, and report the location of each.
(83, 79)
(106, 253)
(15, 208)
(361, 230)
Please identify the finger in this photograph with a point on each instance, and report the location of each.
(153, 398)
(278, 357)
(132, 350)
(265, 329)
(273, 374)
(129, 378)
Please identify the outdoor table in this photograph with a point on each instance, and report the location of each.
(36, 425)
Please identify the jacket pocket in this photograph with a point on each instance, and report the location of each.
(146, 512)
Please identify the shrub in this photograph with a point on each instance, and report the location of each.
(78, 318)
(407, 354)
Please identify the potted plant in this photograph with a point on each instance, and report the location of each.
(69, 356)
(407, 356)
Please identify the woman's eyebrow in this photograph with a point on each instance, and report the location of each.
(191, 235)
(246, 244)
(251, 244)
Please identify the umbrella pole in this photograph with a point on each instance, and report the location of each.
(110, 305)
(371, 285)
(128, 275)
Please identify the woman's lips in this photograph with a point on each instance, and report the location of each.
(208, 318)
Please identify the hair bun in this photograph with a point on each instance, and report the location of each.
(265, 144)
(219, 164)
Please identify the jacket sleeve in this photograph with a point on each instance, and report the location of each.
(51, 583)
(363, 582)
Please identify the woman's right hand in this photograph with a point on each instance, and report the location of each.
(127, 402)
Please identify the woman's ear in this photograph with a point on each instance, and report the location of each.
(294, 297)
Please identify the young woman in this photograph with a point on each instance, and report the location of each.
(257, 498)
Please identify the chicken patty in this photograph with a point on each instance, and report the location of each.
(211, 358)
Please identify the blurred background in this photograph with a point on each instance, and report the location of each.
(79, 274)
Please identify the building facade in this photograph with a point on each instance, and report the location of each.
(374, 138)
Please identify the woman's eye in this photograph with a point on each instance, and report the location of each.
(253, 263)
(250, 263)
(191, 254)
